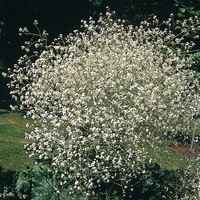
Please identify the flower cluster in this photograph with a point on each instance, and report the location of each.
(99, 95)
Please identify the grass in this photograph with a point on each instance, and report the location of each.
(13, 156)
(168, 159)
(12, 153)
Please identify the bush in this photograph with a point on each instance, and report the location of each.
(99, 95)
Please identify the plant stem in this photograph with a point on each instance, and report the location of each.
(193, 134)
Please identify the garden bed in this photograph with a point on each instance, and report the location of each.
(183, 149)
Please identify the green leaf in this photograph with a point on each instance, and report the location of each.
(182, 10)
(197, 75)
(22, 185)
(197, 56)
(177, 28)
(180, 15)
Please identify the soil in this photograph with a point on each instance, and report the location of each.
(183, 149)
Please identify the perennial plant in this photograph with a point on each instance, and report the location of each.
(99, 95)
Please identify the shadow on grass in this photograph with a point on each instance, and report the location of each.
(3, 112)
(6, 109)
(156, 183)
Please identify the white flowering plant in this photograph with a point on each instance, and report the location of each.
(99, 95)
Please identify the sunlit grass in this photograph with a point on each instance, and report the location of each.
(12, 154)
(169, 160)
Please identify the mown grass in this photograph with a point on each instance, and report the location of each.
(13, 158)
(169, 160)
(12, 154)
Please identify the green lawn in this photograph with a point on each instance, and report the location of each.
(13, 156)
(169, 160)
(12, 153)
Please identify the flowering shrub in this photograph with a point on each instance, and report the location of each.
(99, 95)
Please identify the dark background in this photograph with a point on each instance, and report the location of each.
(62, 16)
